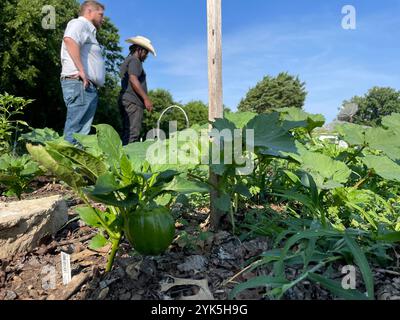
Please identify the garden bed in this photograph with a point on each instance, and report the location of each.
(200, 267)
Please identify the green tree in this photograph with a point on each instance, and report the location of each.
(377, 103)
(197, 112)
(30, 56)
(271, 93)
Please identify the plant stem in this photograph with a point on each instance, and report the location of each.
(114, 249)
(355, 155)
(363, 180)
(103, 224)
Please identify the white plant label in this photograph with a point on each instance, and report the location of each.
(66, 267)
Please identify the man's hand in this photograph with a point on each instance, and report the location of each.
(84, 79)
(137, 87)
(148, 104)
(74, 52)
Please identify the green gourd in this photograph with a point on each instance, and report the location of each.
(150, 231)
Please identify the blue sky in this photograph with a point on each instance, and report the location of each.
(265, 37)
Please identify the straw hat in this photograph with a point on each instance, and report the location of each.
(143, 42)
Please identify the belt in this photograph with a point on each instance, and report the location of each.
(69, 78)
(76, 78)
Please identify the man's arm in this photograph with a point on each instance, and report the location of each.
(134, 82)
(74, 52)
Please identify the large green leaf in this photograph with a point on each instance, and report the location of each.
(269, 136)
(90, 165)
(41, 135)
(383, 166)
(177, 153)
(225, 123)
(89, 216)
(327, 173)
(89, 143)
(392, 122)
(128, 201)
(54, 163)
(297, 118)
(353, 134)
(110, 192)
(183, 185)
(240, 119)
(110, 143)
(137, 153)
(105, 184)
(384, 140)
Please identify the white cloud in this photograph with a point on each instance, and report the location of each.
(332, 74)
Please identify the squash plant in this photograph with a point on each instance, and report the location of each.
(137, 199)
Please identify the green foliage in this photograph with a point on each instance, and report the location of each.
(317, 250)
(16, 173)
(341, 188)
(30, 58)
(377, 103)
(340, 203)
(40, 136)
(10, 107)
(104, 172)
(273, 93)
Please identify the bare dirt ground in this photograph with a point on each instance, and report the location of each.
(193, 268)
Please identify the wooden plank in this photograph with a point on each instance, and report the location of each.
(214, 27)
(214, 31)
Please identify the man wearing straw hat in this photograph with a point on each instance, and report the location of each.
(133, 96)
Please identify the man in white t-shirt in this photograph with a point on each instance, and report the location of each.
(83, 69)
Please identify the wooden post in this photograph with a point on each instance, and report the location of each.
(215, 101)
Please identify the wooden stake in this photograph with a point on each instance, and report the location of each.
(214, 28)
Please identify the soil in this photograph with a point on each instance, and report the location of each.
(198, 265)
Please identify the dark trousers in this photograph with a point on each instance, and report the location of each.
(132, 117)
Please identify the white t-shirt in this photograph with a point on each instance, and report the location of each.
(83, 32)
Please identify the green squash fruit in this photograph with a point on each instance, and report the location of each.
(150, 231)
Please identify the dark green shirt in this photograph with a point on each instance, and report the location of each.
(132, 66)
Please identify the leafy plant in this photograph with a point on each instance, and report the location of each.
(104, 172)
(40, 136)
(10, 107)
(315, 249)
(16, 173)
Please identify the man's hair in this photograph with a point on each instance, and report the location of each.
(90, 4)
(133, 48)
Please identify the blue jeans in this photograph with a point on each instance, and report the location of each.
(81, 107)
